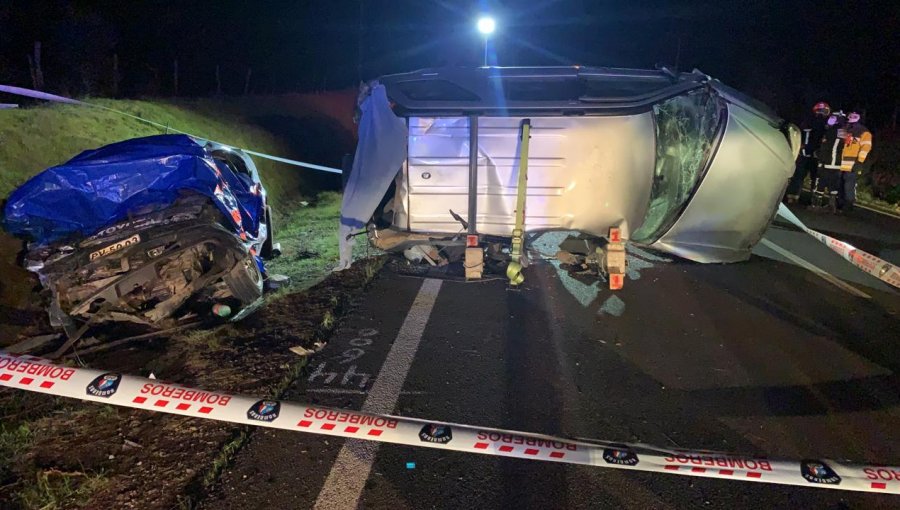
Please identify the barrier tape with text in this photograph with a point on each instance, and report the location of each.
(36, 374)
(879, 268)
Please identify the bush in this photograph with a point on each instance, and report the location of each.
(893, 196)
(885, 175)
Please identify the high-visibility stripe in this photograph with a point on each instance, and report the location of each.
(865, 142)
(834, 149)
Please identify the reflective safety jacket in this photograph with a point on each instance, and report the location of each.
(832, 148)
(857, 144)
(813, 131)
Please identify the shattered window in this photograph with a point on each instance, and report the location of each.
(686, 128)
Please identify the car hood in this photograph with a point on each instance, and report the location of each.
(106, 185)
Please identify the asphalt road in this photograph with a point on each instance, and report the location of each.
(765, 357)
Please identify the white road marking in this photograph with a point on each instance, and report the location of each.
(341, 391)
(348, 475)
(821, 273)
(885, 213)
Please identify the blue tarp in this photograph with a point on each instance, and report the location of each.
(102, 186)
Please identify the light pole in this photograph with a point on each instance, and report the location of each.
(486, 26)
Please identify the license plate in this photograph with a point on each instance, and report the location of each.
(125, 243)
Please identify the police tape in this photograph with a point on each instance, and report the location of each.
(879, 268)
(36, 374)
(43, 96)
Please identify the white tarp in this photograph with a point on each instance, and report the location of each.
(379, 155)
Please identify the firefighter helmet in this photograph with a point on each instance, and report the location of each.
(853, 117)
(822, 108)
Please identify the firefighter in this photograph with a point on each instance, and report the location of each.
(829, 158)
(813, 130)
(857, 145)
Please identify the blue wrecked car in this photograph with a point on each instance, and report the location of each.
(151, 230)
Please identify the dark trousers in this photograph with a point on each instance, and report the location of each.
(805, 165)
(847, 191)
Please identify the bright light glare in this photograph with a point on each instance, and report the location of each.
(486, 25)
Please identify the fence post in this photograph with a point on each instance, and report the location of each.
(31, 70)
(218, 82)
(115, 76)
(38, 73)
(247, 81)
(175, 77)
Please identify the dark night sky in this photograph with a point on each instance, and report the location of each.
(786, 53)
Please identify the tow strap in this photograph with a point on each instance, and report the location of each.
(514, 270)
(39, 375)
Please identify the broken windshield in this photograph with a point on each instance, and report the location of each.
(686, 128)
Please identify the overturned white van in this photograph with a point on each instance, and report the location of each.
(677, 162)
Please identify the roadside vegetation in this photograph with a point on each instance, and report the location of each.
(881, 188)
(32, 139)
(54, 489)
(307, 231)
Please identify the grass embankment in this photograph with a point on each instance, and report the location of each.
(32, 139)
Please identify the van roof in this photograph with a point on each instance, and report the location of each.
(502, 91)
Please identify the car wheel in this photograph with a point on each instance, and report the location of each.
(245, 281)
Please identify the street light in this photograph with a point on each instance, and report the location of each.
(486, 26)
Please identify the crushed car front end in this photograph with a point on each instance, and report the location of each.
(158, 231)
(145, 269)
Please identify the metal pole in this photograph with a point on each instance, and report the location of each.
(485, 51)
(473, 173)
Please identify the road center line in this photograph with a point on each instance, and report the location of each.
(821, 273)
(348, 475)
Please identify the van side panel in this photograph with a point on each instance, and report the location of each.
(584, 173)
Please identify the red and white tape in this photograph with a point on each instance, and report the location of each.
(877, 267)
(36, 374)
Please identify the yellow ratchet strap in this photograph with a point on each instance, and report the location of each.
(514, 270)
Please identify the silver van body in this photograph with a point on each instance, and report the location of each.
(680, 163)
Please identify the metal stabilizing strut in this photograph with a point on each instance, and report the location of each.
(514, 270)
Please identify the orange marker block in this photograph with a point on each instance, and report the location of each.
(615, 235)
(616, 281)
